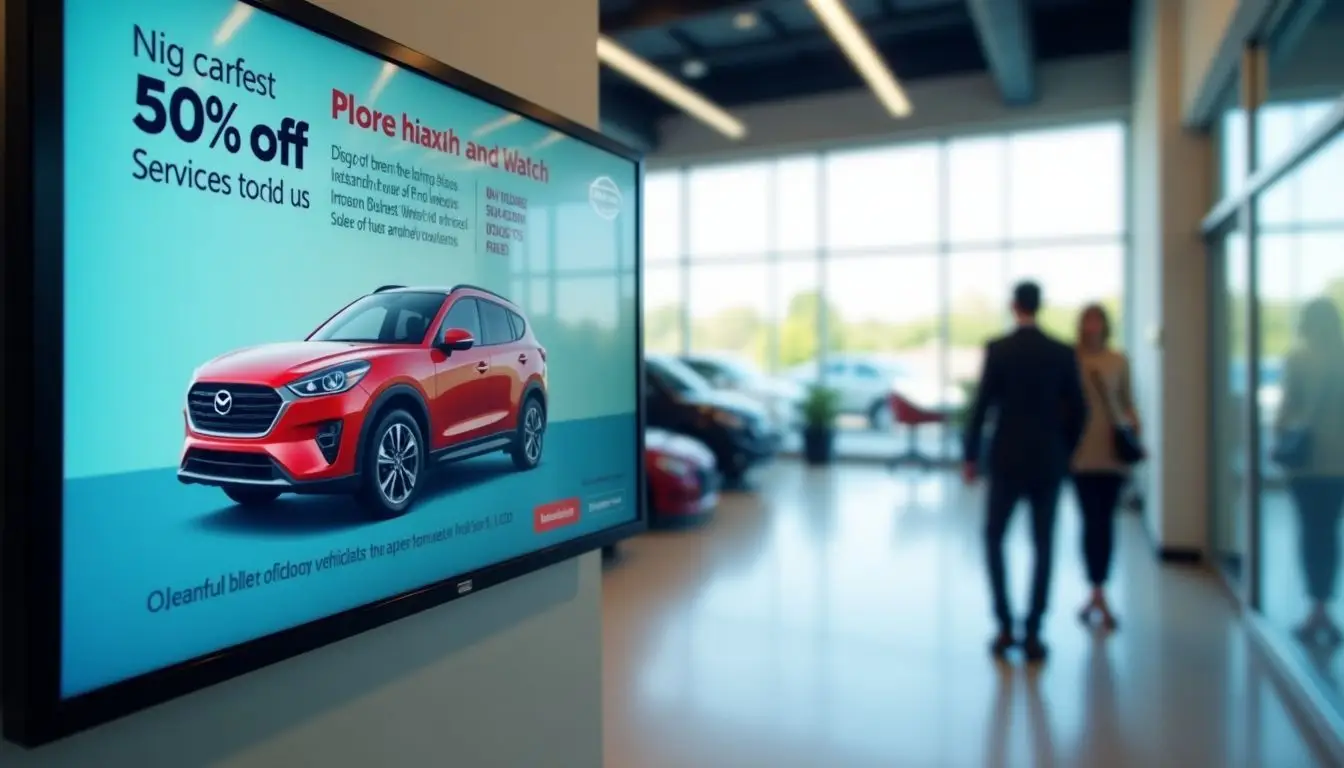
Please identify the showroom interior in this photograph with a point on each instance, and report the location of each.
(838, 199)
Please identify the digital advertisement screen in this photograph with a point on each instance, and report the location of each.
(334, 332)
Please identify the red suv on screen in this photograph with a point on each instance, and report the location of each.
(396, 382)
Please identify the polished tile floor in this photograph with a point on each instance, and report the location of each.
(838, 618)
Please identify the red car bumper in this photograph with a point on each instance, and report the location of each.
(310, 446)
(687, 497)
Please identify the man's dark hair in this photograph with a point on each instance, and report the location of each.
(1027, 297)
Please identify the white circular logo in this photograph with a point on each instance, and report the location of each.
(223, 402)
(605, 197)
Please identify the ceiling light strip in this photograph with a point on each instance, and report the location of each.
(840, 23)
(668, 89)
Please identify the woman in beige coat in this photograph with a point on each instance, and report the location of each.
(1098, 473)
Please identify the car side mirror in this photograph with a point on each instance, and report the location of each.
(457, 340)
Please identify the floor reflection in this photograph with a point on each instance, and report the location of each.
(840, 618)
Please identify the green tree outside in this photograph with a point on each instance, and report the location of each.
(746, 332)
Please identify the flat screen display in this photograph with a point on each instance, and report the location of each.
(334, 332)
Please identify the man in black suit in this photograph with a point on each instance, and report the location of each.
(1031, 383)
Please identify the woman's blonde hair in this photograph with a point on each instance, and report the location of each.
(1100, 312)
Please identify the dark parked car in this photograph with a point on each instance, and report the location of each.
(735, 428)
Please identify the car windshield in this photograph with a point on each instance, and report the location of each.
(396, 317)
(676, 376)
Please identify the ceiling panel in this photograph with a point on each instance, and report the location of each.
(788, 55)
(656, 43)
(922, 5)
(795, 15)
(867, 9)
(720, 30)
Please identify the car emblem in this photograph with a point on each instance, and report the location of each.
(223, 402)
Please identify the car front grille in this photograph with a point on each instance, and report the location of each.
(229, 465)
(251, 408)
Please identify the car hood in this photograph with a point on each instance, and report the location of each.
(660, 442)
(727, 401)
(279, 364)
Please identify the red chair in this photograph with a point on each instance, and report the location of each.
(912, 417)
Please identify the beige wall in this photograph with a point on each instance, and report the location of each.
(1203, 25)
(508, 677)
(1171, 192)
(1093, 88)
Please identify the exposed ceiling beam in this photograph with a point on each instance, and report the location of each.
(657, 13)
(1004, 29)
(802, 44)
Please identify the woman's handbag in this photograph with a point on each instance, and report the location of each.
(1125, 441)
(1292, 446)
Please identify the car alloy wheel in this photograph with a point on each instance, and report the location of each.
(398, 463)
(534, 430)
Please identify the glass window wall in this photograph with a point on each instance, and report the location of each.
(1230, 413)
(900, 258)
(1299, 346)
(1305, 74)
(1277, 462)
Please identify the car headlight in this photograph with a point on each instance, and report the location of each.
(330, 381)
(674, 466)
(729, 419)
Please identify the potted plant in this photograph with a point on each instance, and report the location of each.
(820, 409)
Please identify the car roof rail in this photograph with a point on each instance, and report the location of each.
(470, 287)
(383, 288)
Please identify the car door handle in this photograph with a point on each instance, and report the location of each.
(522, 358)
(482, 367)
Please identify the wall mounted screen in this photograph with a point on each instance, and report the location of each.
(334, 332)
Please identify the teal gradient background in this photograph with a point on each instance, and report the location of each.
(160, 278)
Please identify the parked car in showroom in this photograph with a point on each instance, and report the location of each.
(864, 385)
(782, 399)
(734, 427)
(682, 479)
(398, 381)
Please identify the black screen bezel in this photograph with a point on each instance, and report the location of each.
(33, 332)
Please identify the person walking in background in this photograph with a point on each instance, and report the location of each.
(1030, 383)
(1309, 445)
(1099, 474)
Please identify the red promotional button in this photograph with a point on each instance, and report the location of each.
(556, 514)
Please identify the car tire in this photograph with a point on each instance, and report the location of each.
(394, 466)
(251, 497)
(531, 437)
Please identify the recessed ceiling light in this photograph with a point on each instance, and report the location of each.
(745, 20)
(694, 69)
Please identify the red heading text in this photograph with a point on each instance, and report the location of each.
(344, 106)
